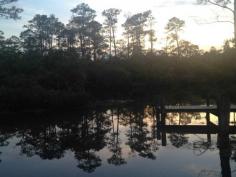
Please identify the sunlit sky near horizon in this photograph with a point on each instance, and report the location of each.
(199, 29)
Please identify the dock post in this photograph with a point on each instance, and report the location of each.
(163, 123)
(158, 121)
(225, 154)
(223, 107)
(208, 118)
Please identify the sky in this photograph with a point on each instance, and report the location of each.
(200, 28)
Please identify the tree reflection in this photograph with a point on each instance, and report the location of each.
(84, 136)
(201, 146)
(43, 141)
(178, 140)
(110, 134)
(88, 139)
(114, 142)
(88, 160)
(138, 138)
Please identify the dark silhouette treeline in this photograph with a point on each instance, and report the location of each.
(53, 65)
(65, 81)
(85, 37)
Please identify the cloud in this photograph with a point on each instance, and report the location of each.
(169, 3)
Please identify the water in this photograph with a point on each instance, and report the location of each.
(115, 142)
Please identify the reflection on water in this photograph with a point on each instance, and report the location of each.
(116, 142)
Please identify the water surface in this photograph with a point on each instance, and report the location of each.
(123, 141)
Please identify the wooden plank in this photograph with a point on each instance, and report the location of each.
(190, 129)
(196, 108)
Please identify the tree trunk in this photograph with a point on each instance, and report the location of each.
(177, 42)
(128, 47)
(81, 46)
(235, 23)
(95, 54)
(110, 42)
(151, 46)
(151, 40)
(178, 50)
(114, 39)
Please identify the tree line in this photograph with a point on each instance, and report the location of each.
(87, 38)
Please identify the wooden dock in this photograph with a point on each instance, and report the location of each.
(196, 108)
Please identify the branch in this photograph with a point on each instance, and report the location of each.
(12, 12)
(222, 6)
(204, 22)
(218, 21)
(5, 2)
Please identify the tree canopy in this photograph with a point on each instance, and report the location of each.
(9, 11)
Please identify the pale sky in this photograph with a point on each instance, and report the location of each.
(204, 34)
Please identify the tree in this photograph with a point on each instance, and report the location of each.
(96, 39)
(127, 34)
(173, 28)
(110, 24)
(135, 30)
(228, 44)
(122, 47)
(1, 39)
(188, 49)
(30, 42)
(151, 32)
(54, 29)
(41, 33)
(178, 140)
(7, 11)
(67, 38)
(12, 45)
(114, 143)
(83, 15)
(214, 51)
(2, 42)
(225, 4)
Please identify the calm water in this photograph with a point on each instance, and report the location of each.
(114, 142)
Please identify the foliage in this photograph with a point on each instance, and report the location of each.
(111, 20)
(7, 11)
(61, 80)
(173, 28)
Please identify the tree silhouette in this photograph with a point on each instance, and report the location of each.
(43, 141)
(173, 28)
(97, 40)
(12, 45)
(138, 138)
(88, 161)
(135, 30)
(41, 32)
(2, 41)
(111, 20)
(114, 143)
(67, 38)
(83, 15)
(178, 140)
(151, 32)
(187, 49)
